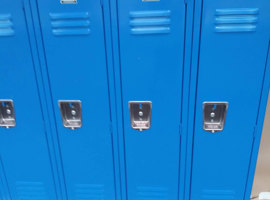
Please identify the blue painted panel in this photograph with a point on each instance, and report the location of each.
(233, 51)
(151, 38)
(75, 50)
(25, 164)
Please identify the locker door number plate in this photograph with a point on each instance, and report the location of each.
(140, 114)
(214, 115)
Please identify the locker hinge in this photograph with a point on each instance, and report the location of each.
(255, 131)
(180, 129)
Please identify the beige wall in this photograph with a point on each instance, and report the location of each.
(262, 175)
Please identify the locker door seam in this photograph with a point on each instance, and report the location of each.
(121, 100)
(115, 127)
(181, 176)
(50, 103)
(186, 88)
(196, 92)
(38, 87)
(109, 97)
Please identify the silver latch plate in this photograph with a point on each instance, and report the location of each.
(214, 115)
(71, 113)
(7, 114)
(140, 114)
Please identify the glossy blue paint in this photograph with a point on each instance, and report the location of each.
(106, 53)
(74, 47)
(25, 162)
(234, 42)
(151, 43)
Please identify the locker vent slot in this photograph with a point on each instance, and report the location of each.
(150, 22)
(218, 194)
(31, 190)
(6, 25)
(148, 192)
(70, 24)
(236, 20)
(89, 191)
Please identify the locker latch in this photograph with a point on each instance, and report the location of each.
(71, 113)
(214, 115)
(140, 114)
(7, 115)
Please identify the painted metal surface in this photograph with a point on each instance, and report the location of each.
(146, 58)
(74, 45)
(25, 169)
(233, 52)
(151, 43)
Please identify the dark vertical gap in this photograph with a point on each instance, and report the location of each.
(109, 97)
(121, 92)
(186, 144)
(196, 90)
(116, 107)
(53, 111)
(181, 104)
(38, 91)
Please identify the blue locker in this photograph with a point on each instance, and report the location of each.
(233, 51)
(151, 43)
(25, 169)
(178, 119)
(74, 48)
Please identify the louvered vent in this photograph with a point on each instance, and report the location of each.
(236, 20)
(6, 25)
(70, 23)
(89, 191)
(147, 193)
(31, 190)
(218, 194)
(150, 22)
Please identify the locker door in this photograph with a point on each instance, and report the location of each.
(233, 52)
(151, 35)
(24, 159)
(75, 50)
